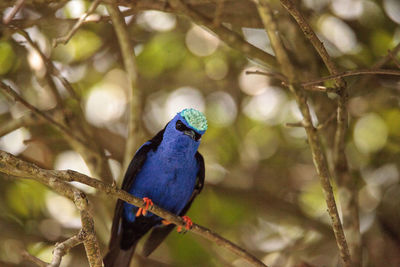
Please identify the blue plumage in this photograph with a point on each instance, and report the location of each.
(168, 170)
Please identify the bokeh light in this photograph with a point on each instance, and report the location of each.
(157, 20)
(339, 33)
(75, 8)
(13, 142)
(63, 210)
(181, 98)
(201, 42)
(370, 133)
(348, 9)
(266, 106)
(253, 84)
(105, 103)
(392, 9)
(216, 68)
(221, 108)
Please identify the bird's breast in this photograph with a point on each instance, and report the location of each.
(168, 181)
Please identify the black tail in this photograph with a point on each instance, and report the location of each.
(118, 257)
(123, 241)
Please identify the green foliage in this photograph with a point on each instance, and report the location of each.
(26, 198)
(163, 52)
(7, 57)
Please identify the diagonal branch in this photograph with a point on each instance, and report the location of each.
(11, 165)
(319, 158)
(345, 180)
(14, 95)
(65, 39)
(62, 248)
(231, 38)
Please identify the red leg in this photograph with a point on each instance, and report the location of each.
(143, 211)
(188, 223)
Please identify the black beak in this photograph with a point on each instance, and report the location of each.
(190, 133)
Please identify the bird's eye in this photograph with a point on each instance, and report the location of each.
(180, 126)
(197, 136)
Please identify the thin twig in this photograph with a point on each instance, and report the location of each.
(218, 12)
(353, 73)
(327, 122)
(310, 35)
(135, 106)
(62, 248)
(380, 63)
(319, 158)
(48, 65)
(393, 58)
(294, 124)
(13, 124)
(11, 165)
(231, 38)
(17, 7)
(339, 155)
(91, 152)
(78, 24)
(25, 255)
(10, 92)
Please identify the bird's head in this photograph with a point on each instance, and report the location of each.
(186, 128)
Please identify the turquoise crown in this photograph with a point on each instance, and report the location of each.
(195, 119)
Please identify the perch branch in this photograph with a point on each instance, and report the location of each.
(11, 165)
(319, 158)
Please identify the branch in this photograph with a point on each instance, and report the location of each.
(319, 158)
(25, 255)
(312, 37)
(16, 167)
(231, 38)
(339, 155)
(128, 58)
(11, 93)
(13, 124)
(17, 7)
(11, 165)
(353, 73)
(82, 134)
(65, 39)
(62, 248)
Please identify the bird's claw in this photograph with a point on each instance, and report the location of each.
(143, 211)
(188, 224)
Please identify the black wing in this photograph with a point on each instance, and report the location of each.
(158, 234)
(130, 176)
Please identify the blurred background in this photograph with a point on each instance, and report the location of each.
(261, 191)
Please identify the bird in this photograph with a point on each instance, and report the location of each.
(167, 171)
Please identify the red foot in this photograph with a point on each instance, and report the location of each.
(143, 211)
(188, 225)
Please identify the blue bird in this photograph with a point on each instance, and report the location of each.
(167, 171)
